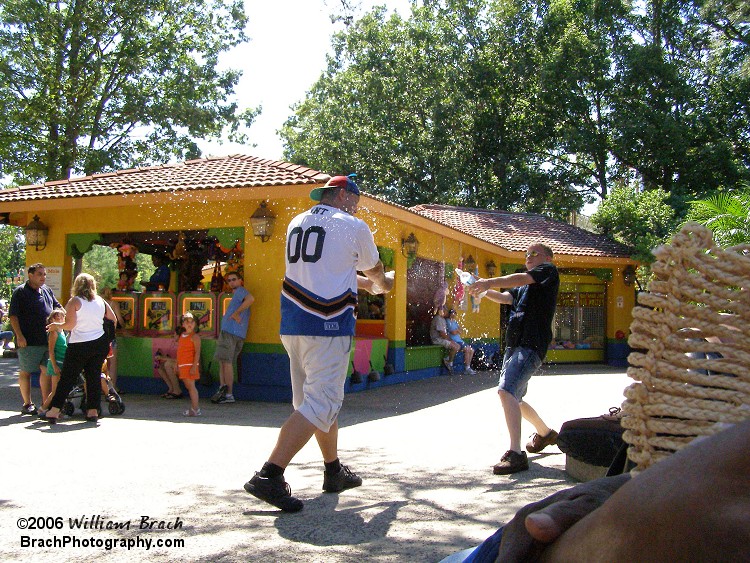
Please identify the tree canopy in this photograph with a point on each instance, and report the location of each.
(12, 259)
(95, 86)
(641, 220)
(533, 106)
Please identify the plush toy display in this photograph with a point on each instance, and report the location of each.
(126, 264)
(180, 251)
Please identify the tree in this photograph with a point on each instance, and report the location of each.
(12, 258)
(92, 86)
(727, 214)
(579, 42)
(641, 220)
(668, 108)
(438, 107)
(533, 106)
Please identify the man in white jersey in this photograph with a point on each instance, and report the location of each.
(325, 247)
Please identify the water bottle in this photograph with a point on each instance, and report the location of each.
(467, 278)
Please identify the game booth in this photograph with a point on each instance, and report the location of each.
(197, 263)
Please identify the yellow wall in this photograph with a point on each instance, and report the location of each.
(264, 262)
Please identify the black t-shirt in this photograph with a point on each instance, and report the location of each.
(530, 323)
(32, 308)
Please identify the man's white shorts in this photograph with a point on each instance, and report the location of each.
(318, 366)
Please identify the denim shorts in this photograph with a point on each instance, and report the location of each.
(519, 364)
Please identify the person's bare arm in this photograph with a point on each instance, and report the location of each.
(379, 279)
(501, 282)
(51, 341)
(116, 310)
(109, 313)
(194, 369)
(16, 326)
(71, 315)
(502, 297)
(690, 506)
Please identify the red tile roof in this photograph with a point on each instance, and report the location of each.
(511, 231)
(516, 231)
(235, 171)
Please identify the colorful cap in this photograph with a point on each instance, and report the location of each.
(335, 182)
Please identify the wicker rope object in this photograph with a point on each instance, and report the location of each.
(691, 333)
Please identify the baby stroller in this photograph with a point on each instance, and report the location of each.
(77, 396)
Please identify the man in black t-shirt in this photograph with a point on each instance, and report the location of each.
(532, 296)
(30, 305)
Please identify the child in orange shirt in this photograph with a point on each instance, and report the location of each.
(189, 359)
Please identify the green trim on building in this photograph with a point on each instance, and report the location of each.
(79, 244)
(227, 236)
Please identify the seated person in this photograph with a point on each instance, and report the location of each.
(166, 367)
(454, 333)
(159, 280)
(6, 336)
(691, 506)
(439, 336)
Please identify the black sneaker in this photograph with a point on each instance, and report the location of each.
(275, 491)
(28, 409)
(344, 479)
(219, 394)
(511, 462)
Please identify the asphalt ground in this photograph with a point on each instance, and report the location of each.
(152, 484)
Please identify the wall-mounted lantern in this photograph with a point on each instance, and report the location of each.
(36, 234)
(470, 265)
(628, 275)
(410, 246)
(491, 269)
(262, 222)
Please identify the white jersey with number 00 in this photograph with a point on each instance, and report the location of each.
(325, 247)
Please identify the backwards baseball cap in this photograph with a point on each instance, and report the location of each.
(335, 182)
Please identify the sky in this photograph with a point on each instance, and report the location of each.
(286, 54)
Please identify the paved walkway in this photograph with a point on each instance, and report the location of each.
(424, 449)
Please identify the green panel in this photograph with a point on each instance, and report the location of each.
(135, 357)
(208, 365)
(574, 356)
(264, 348)
(421, 357)
(378, 353)
(351, 361)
